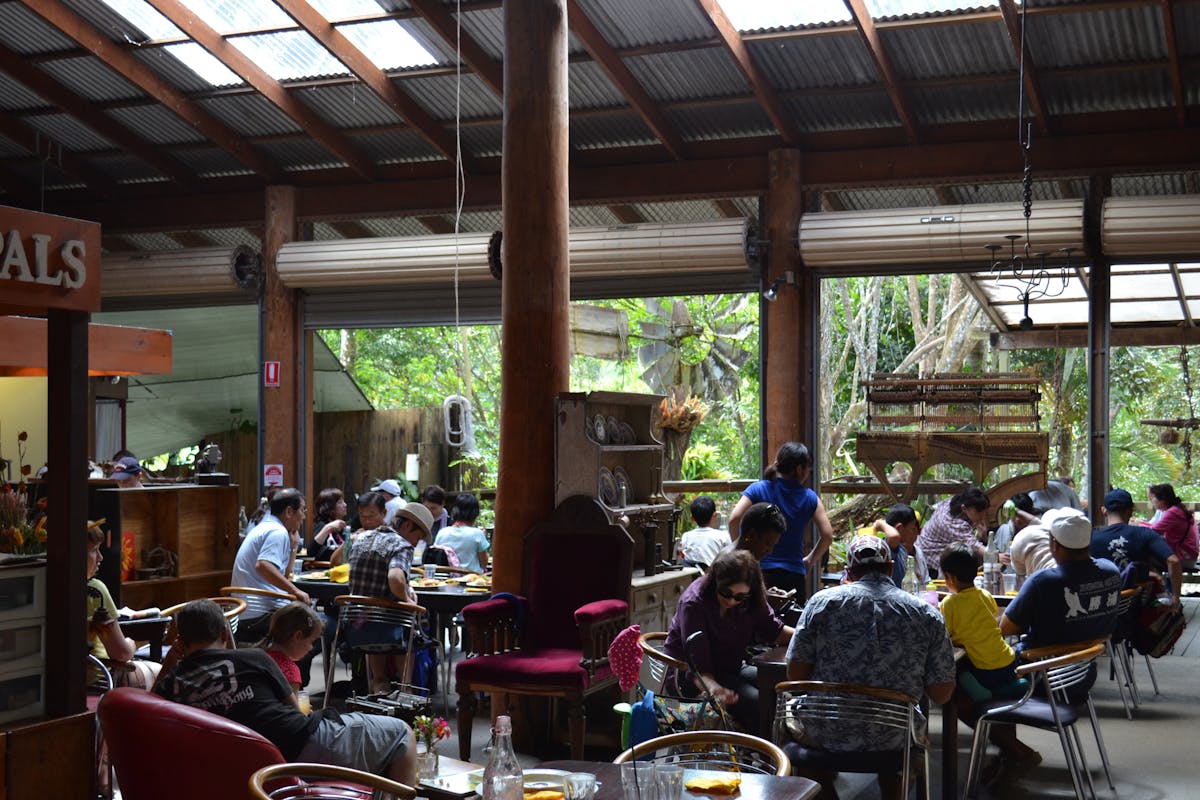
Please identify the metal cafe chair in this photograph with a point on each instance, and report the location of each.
(323, 782)
(723, 750)
(231, 609)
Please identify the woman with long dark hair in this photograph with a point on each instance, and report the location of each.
(1176, 524)
(783, 486)
(329, 524)
(729, 606)
(960, 519)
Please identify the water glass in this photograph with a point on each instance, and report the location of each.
(303, 701)
(670, 782)
(639, 780)
(580, 786)
(1010, 582)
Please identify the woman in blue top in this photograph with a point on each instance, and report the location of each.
(786, 565)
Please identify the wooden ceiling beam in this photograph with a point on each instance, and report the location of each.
(727, 208)
(891, 83)
(272, 90)
(1058, 338)
(629, 86)
(832, 201)
(65, 100)
(1012, 23)
(1172, 41)
(357, 62)
(117, 59)
(351, 229)
(733, 42)
(626, 214)
(473, 55)
(45, 148)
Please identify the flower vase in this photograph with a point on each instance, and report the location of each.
(427, 762)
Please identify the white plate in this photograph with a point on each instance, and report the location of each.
(545, 779)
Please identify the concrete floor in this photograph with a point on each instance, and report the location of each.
(1151, 755)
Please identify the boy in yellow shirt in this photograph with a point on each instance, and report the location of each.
(970, 615)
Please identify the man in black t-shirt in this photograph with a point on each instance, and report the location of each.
(247, 687)
(1124, 544)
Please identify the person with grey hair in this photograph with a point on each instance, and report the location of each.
(246, 686)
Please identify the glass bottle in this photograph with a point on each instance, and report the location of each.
(502, 777)
(909, 582)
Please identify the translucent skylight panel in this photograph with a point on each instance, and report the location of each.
(388, 44)
(145, 17)
(290, 55)
(1115, 268)
(204, 64)
(899, 8)
(225, 16)
(750, 15)
(1146, 311)
(345, 9)
(1141, 286)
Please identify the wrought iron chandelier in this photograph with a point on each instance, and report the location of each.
(1023, 268)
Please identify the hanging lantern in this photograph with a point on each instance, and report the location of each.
(1168, 436)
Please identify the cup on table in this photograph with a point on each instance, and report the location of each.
(639, 780)
(304, 703)
(670, 781)
(579, 786)
(297, 566)
(1010, 582)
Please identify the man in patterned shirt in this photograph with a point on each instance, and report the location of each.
(870, 632)
(379, 563)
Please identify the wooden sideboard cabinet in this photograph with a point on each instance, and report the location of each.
(197, 523)
(654, 598)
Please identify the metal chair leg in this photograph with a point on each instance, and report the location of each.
(1153, 678)
(1116, 671)
(1100, 742)
(978, 748)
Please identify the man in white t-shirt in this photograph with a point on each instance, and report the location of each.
(700, 545)
(265, 558)
(1031, 550)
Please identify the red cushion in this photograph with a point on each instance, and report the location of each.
(601, 610)
(557, 668)
(155, 746)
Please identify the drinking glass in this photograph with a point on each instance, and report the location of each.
(670, 782)
(580, 786)
(639, 780)
(304, 703)
(1010, 582)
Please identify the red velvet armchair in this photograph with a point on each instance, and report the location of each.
(165, 749)
(553, 641)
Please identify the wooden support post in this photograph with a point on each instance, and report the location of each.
(785, 337)
(534, 355)
(282, 334)
(1099, 348)
(66, 572)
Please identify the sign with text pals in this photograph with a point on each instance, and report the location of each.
(47, 261)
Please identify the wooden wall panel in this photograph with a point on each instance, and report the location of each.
(53, 759)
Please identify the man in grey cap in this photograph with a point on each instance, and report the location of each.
(379, 564)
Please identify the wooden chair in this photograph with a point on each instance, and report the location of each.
(657, 666)
(323, 782)
(403, 619)
(880, 714)
(259, 603)
(552, 642)
(722, 750)
(231, 608)
(1058, 669)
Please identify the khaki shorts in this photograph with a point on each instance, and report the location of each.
(366, 742)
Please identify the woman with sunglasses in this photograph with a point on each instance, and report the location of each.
(729, 606)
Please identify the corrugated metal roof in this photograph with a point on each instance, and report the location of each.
(591, 216)
(14, 96)
(814, 62)
(588, 86)
(89, 77)
(290, 55)
(127, 169)
(210, 162)
(33, 172)
(24, 32)
(10, 149)
(299, 154)
(727, 121)
(395, 226)
(887, 197)
(678, 211)
(349, 105)
(436, 95)
(1137, 185)
(481, 221)
(105, 19)
(171, 69)
(486, 27)
(1187, 29)
(938, 51)
(394, 147)
(155, 124)
(688, 74)
(747, 205)
(610, 130)
(430, 39)
(69, 132)
(824, 112)
(152, 241)
(483, 141)
(1097, 37)
(324, 232)
(976, 101)
(1107, 91)
(249, 114)
(631, 23)
(232, 237)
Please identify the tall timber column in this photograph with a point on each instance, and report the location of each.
(534, 354)
(281, 408)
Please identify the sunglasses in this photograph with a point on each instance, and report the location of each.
(739, 597)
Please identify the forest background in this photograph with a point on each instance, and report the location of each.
(709, 345)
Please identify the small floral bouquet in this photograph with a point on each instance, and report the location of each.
(431, 729)
(22, 530)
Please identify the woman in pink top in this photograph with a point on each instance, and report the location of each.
(1176, 523)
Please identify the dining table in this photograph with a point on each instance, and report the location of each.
(753, 786)
(147, 629)
(772, 670)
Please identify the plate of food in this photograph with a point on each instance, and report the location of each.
(427, 583)
(320, 575)
(539, 779)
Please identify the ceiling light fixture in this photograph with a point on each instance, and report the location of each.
(1032, 277)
